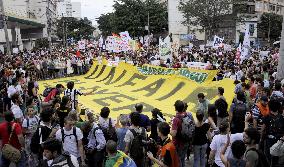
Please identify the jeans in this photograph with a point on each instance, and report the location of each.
(6, 163)
(181, 151)
(199, 155)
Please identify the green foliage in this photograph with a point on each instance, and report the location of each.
(273, 21)
(132, 16)
(41, 43)
(77, 29)
(208, 13)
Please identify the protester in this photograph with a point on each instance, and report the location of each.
(168, 153)
(11, 132)
(117, 157)
(181, 141)
(145, 121)
(134, 140)
(73, 94)
(71, 138)
(52, 150)
(200, 140)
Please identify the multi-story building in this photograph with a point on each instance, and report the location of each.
(29, 20)
(176, 24)
(64, 9)
(76, 10)
(231, 29)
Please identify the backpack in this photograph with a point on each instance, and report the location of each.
(73, 134)
(222, 107)
(110, 132)
(47, 91)
(187, 127)
(262, 159)
(275, 126)
(28, 121)
(238, 120)
(41, 135)
(63, 160)
(236, 163)
(276, 98)
(136, 148)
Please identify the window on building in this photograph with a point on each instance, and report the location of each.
(270, 8)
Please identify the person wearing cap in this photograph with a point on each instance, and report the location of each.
(145, 121)
(259, 111)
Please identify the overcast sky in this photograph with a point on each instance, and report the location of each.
(94, 8)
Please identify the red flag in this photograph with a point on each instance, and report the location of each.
(78, 54)
(115, 35)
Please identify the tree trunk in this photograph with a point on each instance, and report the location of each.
(280, 68)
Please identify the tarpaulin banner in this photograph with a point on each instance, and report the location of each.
(121, 87)
(198, 76)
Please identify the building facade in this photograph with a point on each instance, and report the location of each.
(64, 9)
(230, 28)
(29, 20)
(76, 10)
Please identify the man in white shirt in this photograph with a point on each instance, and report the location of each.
(71, 138)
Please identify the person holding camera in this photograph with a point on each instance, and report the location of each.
(96, 144)
(167, 154)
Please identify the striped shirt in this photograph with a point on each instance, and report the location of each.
(72, 94)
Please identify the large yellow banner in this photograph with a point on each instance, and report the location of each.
(123, 86)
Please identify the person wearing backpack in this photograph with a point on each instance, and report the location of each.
(253, 156)
(134, 140)
(11, 133)
(273, 129)
(95, 147)
(259, 111)
(41, 134)
(182, 130)
(71, 138)
(237, 114)
(52, 150)
(107, 125)
(29, 126)
(54, 93)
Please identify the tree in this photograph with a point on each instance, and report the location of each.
(41, 43)
(132, 16)
(74, 28)
(208, 13)
(270, 26)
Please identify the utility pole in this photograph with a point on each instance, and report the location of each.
(48, 24)
(4, 17)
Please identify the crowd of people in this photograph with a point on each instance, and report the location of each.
(45, 128)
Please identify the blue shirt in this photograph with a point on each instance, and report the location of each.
(121, 132)
(145, 121)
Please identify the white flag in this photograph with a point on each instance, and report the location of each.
(217, 41)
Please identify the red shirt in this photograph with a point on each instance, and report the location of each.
(177, 123)
(4, 135)
(52, 94)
